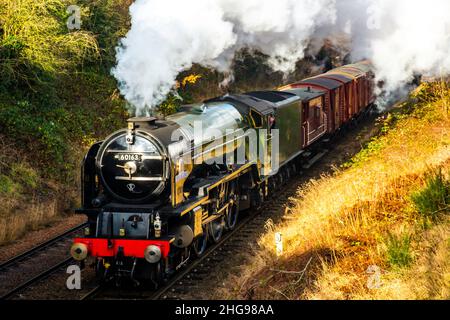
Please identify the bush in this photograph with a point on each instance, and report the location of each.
(372, 148)
(8, 186)
(25, 174)
(398, 250)
(109, 21)
(35, 43)
(25, 122)
(434, 198)
(170, 105)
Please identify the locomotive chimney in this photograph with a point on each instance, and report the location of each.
(142, 120)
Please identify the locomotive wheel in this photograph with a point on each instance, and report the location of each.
(232, 215)
(294, 169)
(158, 275)
(200, 244)
(216, 228)
(272, 186)
(280, 177)
(257, 198)
(288, 173)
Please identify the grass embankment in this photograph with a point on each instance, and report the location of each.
(378, 228)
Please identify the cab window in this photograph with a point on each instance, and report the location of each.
(256, 119)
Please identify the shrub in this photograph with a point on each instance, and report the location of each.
(8, 186)
(170, 105)
(434, 198)
(372, 148)
(399, 250)
(25, 174)
(109, 21)
(25, 122)
(35, 43)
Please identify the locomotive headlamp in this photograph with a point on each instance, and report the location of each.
(152, 254)
(130, 134)
(157, 226)
(79, 251)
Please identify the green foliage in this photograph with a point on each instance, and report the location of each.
(399, 250)
(25, 174)
(434, 198)
(24, 121)
(430, 92)
(394, 117)
(374, 146)
(386, 124)
(182, 95)
(251, 71)
(55, 92)
(170, 105)
(8, 186)
(109, 21)
(35, 43)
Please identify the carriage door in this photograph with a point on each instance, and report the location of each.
(316, 119)
(262, 125)
(335, 102)
(270, 136)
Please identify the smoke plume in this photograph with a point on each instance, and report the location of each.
(401, 37)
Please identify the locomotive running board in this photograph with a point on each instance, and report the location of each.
(316, 158)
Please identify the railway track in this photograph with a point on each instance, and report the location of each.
(34, 265)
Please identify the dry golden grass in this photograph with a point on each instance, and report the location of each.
(335, 235)
(31, 217)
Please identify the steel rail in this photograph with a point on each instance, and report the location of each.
(40, 247)
(35, 251)
(37, 278)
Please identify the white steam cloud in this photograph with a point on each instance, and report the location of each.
(401, 37)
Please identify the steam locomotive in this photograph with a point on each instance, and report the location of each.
(156, 193)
